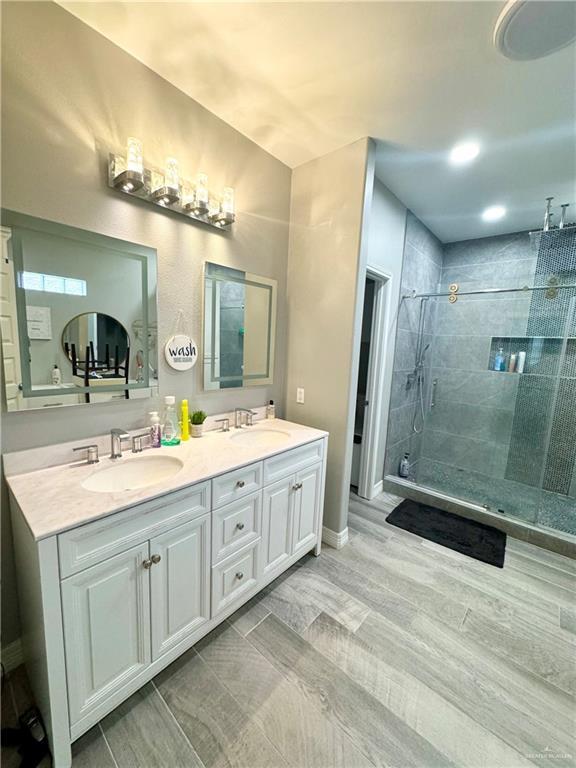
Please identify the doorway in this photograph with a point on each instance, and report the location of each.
(366, 474)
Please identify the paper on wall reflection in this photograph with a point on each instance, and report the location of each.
(39, 322)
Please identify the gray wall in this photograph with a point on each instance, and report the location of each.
(68, 97)
(385, 254)
(325, 295)
(421, 272)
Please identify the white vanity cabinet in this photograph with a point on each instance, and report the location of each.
(106, 613)
(108, 604)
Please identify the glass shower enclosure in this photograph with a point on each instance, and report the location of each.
(484, 389)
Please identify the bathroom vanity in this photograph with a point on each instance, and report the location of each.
(115, 584)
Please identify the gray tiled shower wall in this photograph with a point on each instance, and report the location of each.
(420, 273)
(469, 444)
(470, 426)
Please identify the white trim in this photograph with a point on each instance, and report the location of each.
(370, 476)
(12, 655)
(378, 488)
(333, 539)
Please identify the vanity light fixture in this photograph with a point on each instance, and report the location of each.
(223, 212)
(199, 202)
(494, 213)
(169, 192)
(131, 177)
(166, 189)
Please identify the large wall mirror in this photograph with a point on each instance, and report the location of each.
(78, 316)
(239, 328)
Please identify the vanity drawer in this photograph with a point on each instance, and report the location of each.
(235, 485)
(236, 525)
(289, 462)
(234, 576)
(91, 543)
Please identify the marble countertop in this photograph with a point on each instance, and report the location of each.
(53, 499)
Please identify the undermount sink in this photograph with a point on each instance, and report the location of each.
(131, 474)
(260, 438)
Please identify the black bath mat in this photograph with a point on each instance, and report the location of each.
(458, 533)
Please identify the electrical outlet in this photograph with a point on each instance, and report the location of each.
(300, 394)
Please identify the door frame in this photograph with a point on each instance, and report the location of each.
(370, 479)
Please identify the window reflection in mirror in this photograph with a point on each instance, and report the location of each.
(239, 328)
(78, 316)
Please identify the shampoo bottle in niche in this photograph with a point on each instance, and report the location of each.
(56, 374)
(521, 362)
(404, 468)
(500, 361)
(170, 423)
(155, 430)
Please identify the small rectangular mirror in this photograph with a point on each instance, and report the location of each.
(239, 328)
(78, 315)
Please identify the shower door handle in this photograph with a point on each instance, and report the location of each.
(433, 393)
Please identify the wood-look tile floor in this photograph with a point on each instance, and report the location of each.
(393, 651)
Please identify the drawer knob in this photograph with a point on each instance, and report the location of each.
(297, 486)
(240, 526)
(156, 559)
(239, 575)
(147, 564)
(240, 484)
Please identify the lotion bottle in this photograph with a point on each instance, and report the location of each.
(521, 362)
(155, 430)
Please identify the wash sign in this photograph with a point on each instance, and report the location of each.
(181, 352)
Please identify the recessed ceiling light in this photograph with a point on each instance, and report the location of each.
(494, 213)
(464, 152)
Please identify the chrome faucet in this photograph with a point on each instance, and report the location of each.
(238, 417)
(116, 437)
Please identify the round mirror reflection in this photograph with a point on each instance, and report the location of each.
(100, 338)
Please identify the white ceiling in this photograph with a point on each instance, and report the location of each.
(302, 79)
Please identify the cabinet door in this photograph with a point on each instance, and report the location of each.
(277, 512)
(180, 583)
(306, 507)
(106, 611)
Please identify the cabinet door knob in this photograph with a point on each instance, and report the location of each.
(297, 486)
(156, 559)
(239, 575)
(240, 526)
(147, 564)
(240, 484)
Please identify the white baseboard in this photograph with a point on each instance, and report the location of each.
(12, 655)
(377, 489)
(333, 539)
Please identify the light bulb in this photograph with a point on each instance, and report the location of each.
(228, 201)
(201, 195)
(134, 161)
(171, 178)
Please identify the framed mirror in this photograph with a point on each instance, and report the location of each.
(239, 328)
(78, 316)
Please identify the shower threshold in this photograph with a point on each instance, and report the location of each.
(547, 538)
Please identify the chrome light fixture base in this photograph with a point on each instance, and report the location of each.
(129, 181)
(166, 196)
(140, 186)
